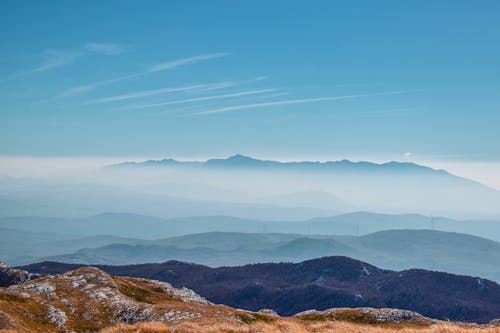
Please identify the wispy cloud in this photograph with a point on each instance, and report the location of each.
(52, 59)
(201, 99)
(148, 93)
(77, 90)
(291, 101)
(186, 61)
(145, 93)
(156, 68)
(56, 58)
(105, 48)
(277, 95)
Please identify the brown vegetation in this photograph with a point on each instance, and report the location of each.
(289, 325)
(151, 327)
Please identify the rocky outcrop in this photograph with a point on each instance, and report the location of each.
(12, 276)
(495, 322)
(367, 316)
(90, 298)
(268, 311)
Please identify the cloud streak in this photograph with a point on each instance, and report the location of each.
(55, 59)
(77, 90)
(186, 61)
(147, 93)
(198, 87)
(105, 48)
(154, 69)
(52, 59)
(291, 101)
(201, 99)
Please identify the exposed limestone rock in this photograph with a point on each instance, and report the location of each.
(90, 295)
(56, 316)
(12, 276)
(367, 315)
(268, 311)
(495, 322)
(44, 289)
(184, 294)
(87, 277)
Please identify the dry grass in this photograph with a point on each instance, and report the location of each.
(437, 328)
(150, 327)
(297, 326)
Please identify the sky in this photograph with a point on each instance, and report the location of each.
(367, 80)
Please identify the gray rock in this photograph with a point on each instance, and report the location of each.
(12, 276)
(367, 315)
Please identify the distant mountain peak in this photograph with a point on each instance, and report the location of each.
(237, 158)
(240, 157)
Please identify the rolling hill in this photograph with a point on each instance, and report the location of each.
(147, 227)
(391, 249)
(26, 239)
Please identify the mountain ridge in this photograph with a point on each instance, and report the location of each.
(247, 161)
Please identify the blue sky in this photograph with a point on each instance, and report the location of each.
(284, 79)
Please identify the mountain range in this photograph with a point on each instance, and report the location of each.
(389, 241)
(338, 185)
(249, 188)
(239, 161)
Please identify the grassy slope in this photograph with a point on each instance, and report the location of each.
(288, 325)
